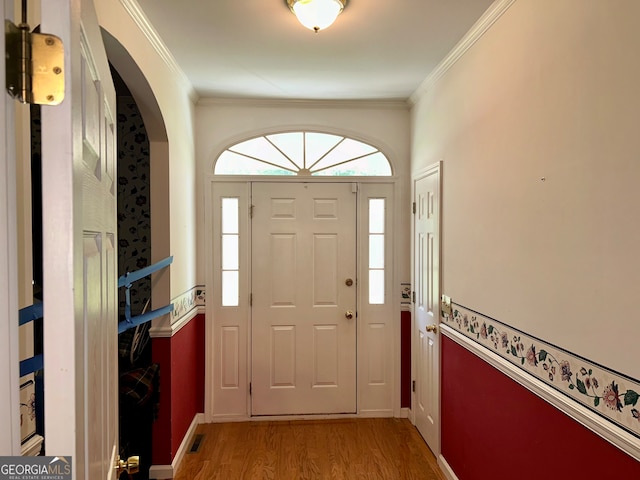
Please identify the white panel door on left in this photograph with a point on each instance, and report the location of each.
(79, 250)
(9, 370)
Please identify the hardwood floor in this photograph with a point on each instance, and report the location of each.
(380, 448)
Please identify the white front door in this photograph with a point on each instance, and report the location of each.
(426, 401)
(303, 256)
(80, 249)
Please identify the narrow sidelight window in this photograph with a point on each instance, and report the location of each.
(376, 250)
(230, 252)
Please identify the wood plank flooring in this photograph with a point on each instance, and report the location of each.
(380, 448)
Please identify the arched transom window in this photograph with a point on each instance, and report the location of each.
(303, 153)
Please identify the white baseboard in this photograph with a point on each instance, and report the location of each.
(329, 416)
(405, 412)
(386, 413)
(165, 472)
(161, 472)
(446, 469)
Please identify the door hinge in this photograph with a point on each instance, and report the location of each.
(413, 296)
(413, 386)
(251, 299)
(249, 388)
(34, 64)
(251, 211)
(414, 208)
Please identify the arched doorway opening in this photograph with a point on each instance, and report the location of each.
(142, 166)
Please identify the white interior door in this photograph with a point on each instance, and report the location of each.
(79, 249)
(303, 344)
(9, 398)
(426, 401)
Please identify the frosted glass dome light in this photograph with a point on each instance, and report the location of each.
(316, 15)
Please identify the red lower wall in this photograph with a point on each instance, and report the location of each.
(493, 428)
(181, 360)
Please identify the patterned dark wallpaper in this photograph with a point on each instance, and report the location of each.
(134, 214)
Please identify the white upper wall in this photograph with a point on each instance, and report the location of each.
(222, 123)
(537, 126)
(175, 98)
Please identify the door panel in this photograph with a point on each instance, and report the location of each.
(9, 371)
(427, 312)
(79, 250)
(303, 346)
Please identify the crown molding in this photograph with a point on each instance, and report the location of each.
(493, 13)
(391, 104)
(148, 30)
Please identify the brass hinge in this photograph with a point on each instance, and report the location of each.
(413, 386)
(251, 299)
(413, 296)
(251, 211)
(414, 208)
(34, 65)
(249, 388)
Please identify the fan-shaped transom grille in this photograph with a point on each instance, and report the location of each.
(303, 153)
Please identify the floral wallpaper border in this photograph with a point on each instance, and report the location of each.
(611, 395)
(186, 302)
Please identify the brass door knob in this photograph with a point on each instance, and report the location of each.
(348, 282)
(432, 328)
(131, 465)
(348, 314)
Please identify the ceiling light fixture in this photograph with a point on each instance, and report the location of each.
(316, 15)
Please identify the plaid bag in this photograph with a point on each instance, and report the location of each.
(139, 385)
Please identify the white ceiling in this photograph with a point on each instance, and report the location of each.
(376, 49)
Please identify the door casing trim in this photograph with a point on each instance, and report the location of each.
(393, 409)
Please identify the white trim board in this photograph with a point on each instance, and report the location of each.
(616, 436)
(390, 104)
(158, 472)
(169, 331)
(186, 307)
(140, 19)
(289, 418)
(446, 469)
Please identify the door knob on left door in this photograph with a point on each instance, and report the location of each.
(130, 465)
(348, 314)
(432, 328)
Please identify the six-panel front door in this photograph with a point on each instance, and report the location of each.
(303, 330)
